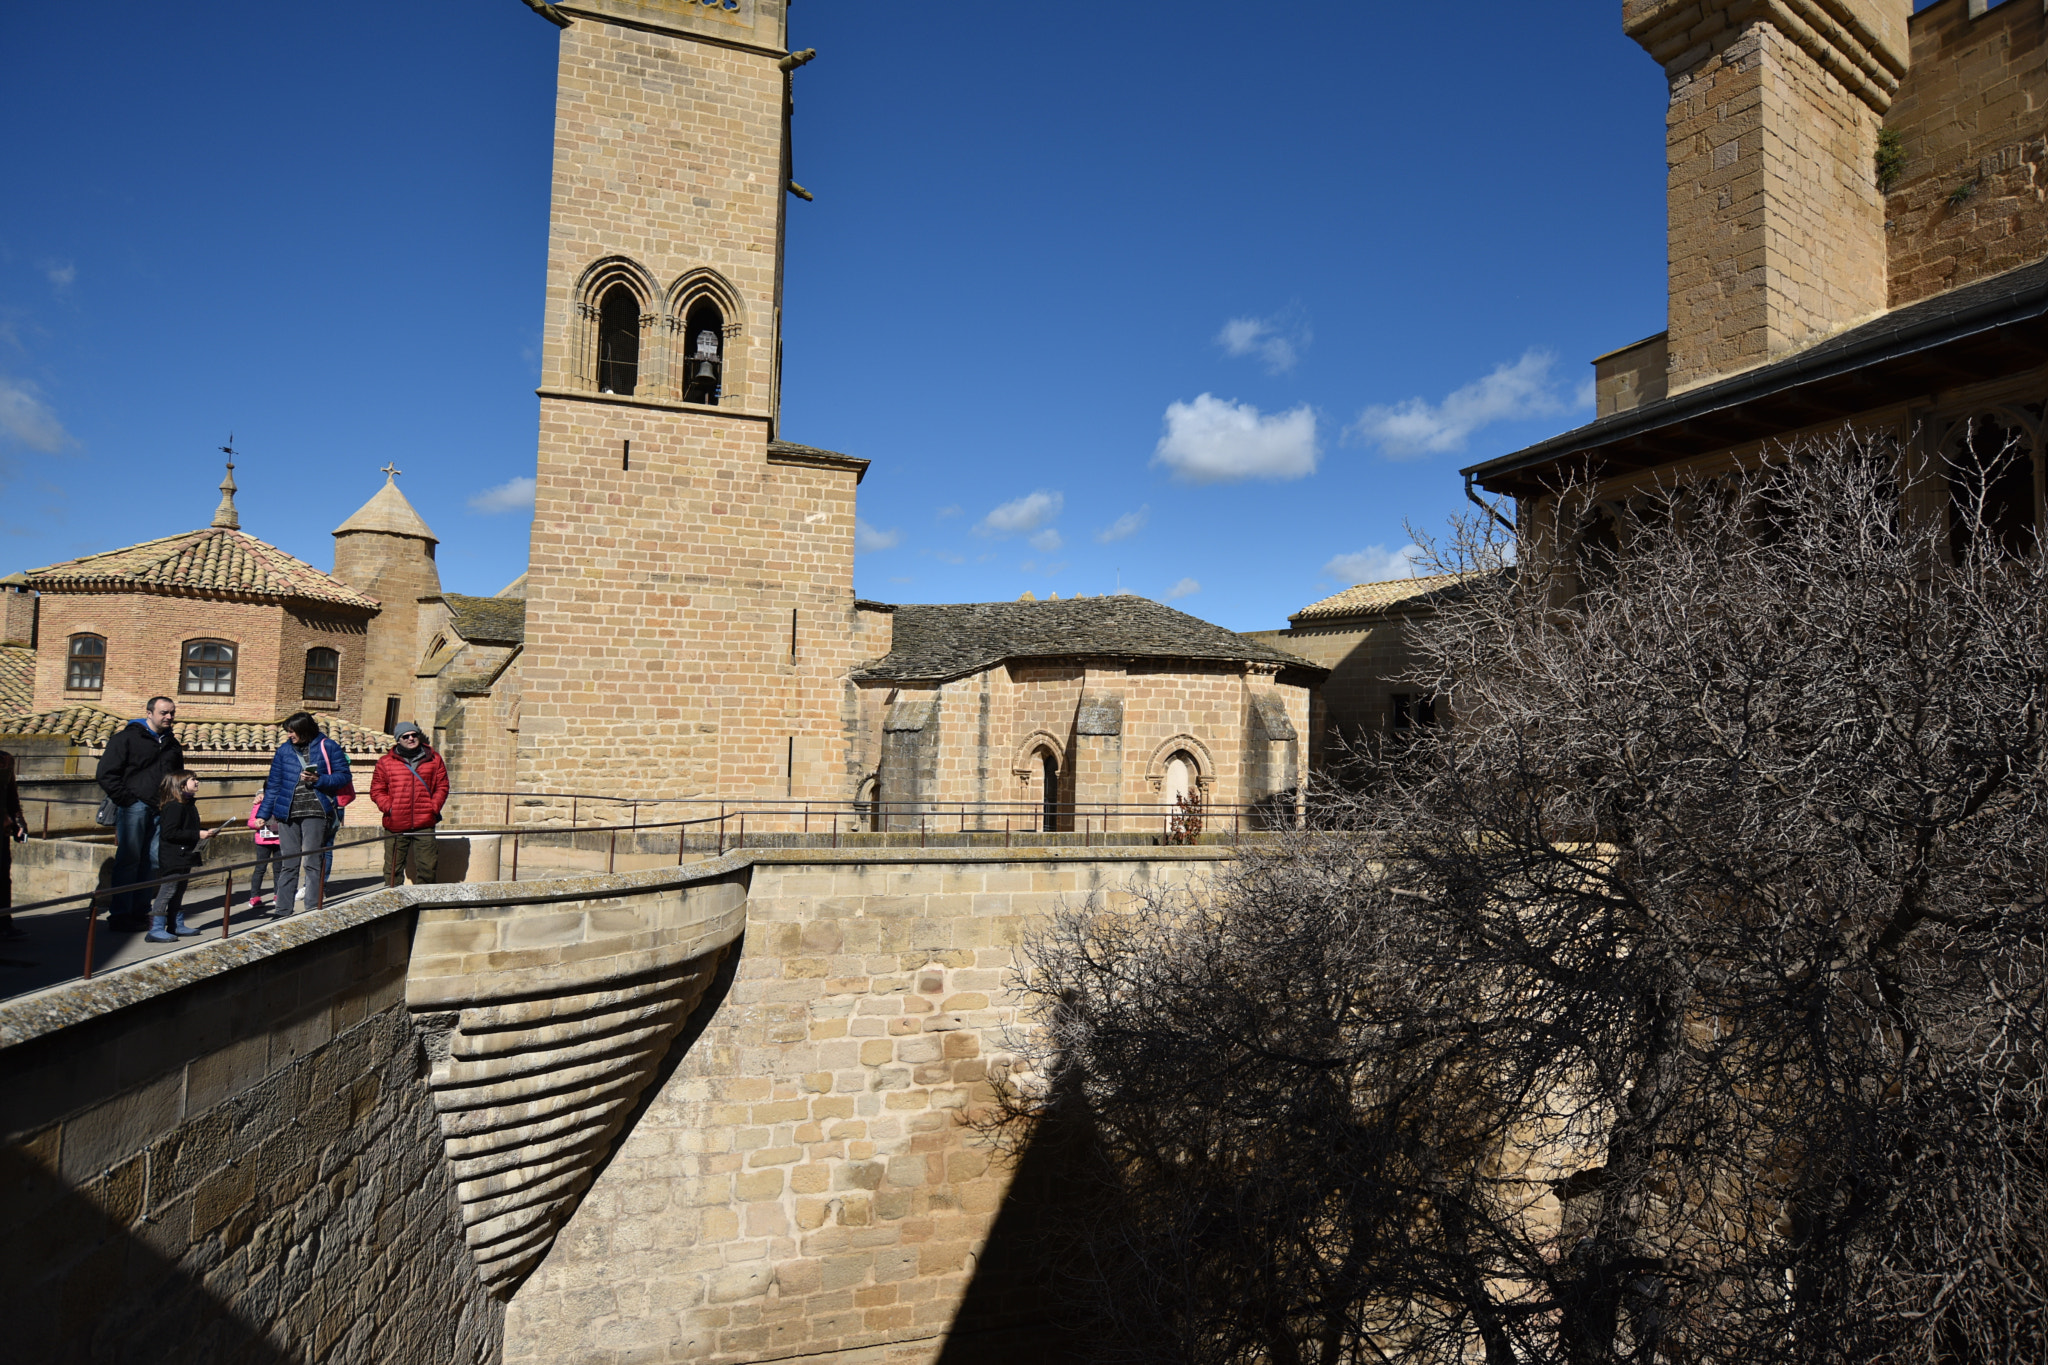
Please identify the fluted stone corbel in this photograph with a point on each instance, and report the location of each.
(544, 1023)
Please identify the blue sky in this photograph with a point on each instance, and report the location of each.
(1206, 299)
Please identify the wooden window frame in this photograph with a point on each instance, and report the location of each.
(73, 659)
(332, 673)
(186, 662)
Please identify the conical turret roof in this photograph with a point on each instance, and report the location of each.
(389, 513)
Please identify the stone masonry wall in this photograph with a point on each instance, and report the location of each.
(398, 571)
(659, 604)
(807, 1183)
(1972, 119)
(227, 1157)
(1776, 228)
(990, 723)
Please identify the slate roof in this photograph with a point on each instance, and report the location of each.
(17, 678)
(487, 620)
(1366, 599)
(214, 560)
(791, 452)
(90, 727)
(937, 643)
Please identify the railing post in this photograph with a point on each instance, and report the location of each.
(835, 830)
(508, 808)
(92, 919)
(573, 808)
(611, 856)
(515, 856)
(227, 906)
(743, 831)
(46, 819)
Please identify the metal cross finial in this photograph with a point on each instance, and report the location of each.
(224, 516)
(390, 472)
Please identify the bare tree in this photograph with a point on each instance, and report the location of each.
(1682, 1001)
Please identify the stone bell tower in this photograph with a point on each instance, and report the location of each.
(1776, 222)
(689, 598)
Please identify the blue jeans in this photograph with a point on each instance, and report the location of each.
(134, 856)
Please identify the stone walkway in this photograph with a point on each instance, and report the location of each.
(54, 950)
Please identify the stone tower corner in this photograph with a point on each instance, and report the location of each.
(1776, 220)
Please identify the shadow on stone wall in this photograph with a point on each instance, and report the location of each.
(127, 1301)
(1026, 1304)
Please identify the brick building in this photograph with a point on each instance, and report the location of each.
(1858, 239)
(240, 633)
(1091, 713)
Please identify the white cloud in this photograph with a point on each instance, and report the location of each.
(1277, 341)
(951, 509)
(1047, 541)
(1212, 440)
(1187, 587)
(1374, 564)
(1125, 526)
(1028, 513)
(1414, 427)
(60, 273)
(25, 419)
(513, 495)
(867, 538)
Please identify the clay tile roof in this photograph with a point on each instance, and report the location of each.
(213, 560)
(935, 643)
(17, 678)
(1367, 599)
(389, 512)
(487, 620)
(90, 727)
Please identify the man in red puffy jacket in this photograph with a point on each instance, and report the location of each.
(410, 786)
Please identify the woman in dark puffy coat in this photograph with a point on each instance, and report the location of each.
(302, 800)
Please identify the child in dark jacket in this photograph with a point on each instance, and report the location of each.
(179, 835)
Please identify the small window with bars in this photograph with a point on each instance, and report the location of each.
(86, 670)
(209, 669)
(323, 675)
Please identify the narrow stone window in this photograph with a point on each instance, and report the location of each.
(87, 668)
(1049, 774)
(703, 353)
(618, 341)
(390, 714)
(1180, 777)
(323, 675)
(209, 669)
(1404, 711)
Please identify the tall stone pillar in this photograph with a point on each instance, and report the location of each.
(1776, 222)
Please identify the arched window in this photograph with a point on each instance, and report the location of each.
(1049, 774)
(618, 341)
(323, 675)
(1181, 773)
(86, 669)
(703, 353)
(1994, 485)
(209, 669)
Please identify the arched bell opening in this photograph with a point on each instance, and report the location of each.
(618, 341)
(703, 353)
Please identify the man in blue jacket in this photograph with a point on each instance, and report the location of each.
(131, 769)
(309, 783)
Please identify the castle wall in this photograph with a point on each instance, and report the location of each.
(809, 1181)
(1972, 123)
(227, 1157)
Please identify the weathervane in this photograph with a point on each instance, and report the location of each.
(225, 516)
